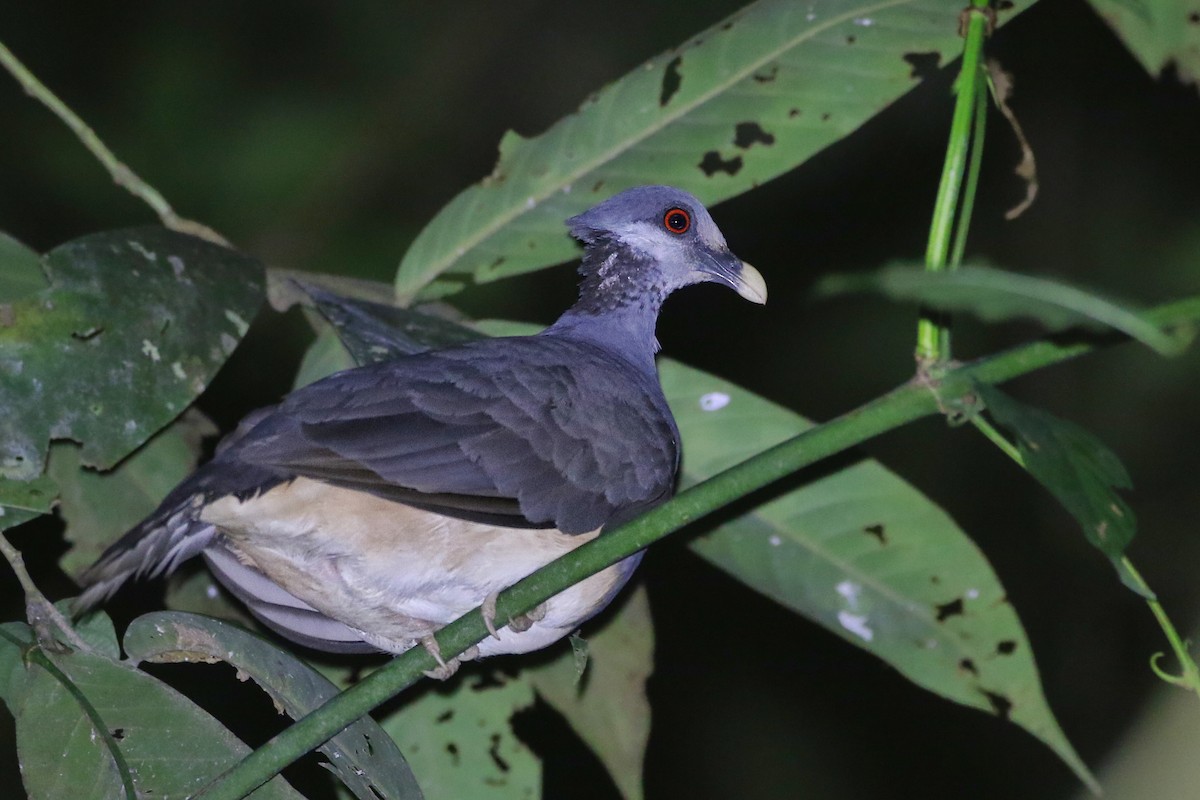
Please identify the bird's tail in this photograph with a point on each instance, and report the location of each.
(159, 544)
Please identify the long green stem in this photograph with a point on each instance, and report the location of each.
(900, 406)
(933, 335)
(121, 174)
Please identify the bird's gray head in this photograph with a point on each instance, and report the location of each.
(645, 243)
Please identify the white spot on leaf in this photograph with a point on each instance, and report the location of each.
(775, 541)
(972, 594)
(149, 350)
(146, 254)
(177, 265)
(177, 370)
(239, 324)
(714, 401)
(856, 624)
(851, 591)
(864, 22)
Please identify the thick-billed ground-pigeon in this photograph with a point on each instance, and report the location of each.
(372, 507)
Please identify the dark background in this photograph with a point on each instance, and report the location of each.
(323, 137)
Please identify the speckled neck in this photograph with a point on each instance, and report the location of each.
(620, 295)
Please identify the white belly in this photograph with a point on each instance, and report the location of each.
(347, 568)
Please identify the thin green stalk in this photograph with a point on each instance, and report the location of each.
(121, 174)
(973, 168)
(900, 406)
(1190, 679)
(933, 336)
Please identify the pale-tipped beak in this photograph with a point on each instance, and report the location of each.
(725, 267)
(751, 285)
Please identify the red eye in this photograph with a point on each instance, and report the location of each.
(677, 220)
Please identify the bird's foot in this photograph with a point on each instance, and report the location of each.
(488, 609)
(523, 622)
(446, 669)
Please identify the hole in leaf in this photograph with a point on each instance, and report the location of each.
(712, 163)
(880, 533)
(747, 133)
(923, 64)
(967, 665)
(452, 749)
(768, 76)
(951, 609)
(671, 81)
(446, 715)
(494, 752)
(1006, 647)
(1001, 705)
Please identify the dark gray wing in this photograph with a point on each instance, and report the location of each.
(557, 431)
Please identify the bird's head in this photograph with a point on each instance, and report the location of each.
(648, 241)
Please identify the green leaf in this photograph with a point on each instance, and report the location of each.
(866, 555)
(461, 744)
(1077, 469)
(608, 708)
(736, 105)
(1159, 33)
(20, 273)
(98, 507)
(85, 722)
(362, 755)
(993, 294)
(133, 326)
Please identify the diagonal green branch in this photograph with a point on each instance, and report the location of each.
(904, 404)
(121, 174)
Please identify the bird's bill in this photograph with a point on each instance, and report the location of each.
(744, 279)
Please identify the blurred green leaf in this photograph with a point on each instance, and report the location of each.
(1159, 33)
(362, 755)
(866, 555)
(993, 294)
(733, 107)
(88, 724)
(100, 506)
(1076, 468)
(12, 517)
(133, 326)
(20, 272)
(608, 707)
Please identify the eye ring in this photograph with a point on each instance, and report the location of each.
(677, 220)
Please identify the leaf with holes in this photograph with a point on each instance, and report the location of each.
(88, 723)
(362, 755)
(738, 104)
(1077, 469)
(994, 294)
(461, 743)
(864, 554)
(130, 330)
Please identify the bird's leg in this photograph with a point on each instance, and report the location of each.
(523, 622)
(488, 609)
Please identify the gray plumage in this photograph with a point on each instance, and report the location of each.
(557, 434)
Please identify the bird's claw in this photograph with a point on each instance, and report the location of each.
(488, 609)
(523, 622)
